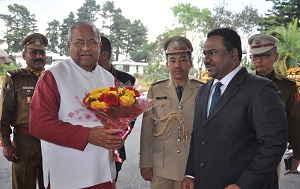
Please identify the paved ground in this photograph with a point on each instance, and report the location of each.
(129, 177)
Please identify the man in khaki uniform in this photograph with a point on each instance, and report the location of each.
(166, 129)
(264, 55)
(16, 94)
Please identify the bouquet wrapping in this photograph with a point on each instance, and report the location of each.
(115, 107)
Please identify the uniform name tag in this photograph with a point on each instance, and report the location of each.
(25, 87)
(161, 98)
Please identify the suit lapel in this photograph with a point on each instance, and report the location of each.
(229, 93)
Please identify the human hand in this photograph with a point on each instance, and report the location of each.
(147, 173)
(232, 186)
(294, 165)
(10, 153)
(106, 137)
(187, 183)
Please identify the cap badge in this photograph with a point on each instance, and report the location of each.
(37, 42)
(176, 44)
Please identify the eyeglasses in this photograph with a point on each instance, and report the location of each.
(80, 43)
(262, 56)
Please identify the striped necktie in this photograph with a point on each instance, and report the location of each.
(216, 95)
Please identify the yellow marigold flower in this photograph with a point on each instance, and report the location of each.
(98, 105)
(124, 100)
(96, 96)
(95, 91)
(105, 90)
(120, 90)
(114, 93)
(131, 100)
(130, 93)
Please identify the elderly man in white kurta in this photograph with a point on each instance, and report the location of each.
(75, 154)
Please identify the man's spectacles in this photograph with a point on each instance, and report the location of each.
(90, 43)
(262, 56)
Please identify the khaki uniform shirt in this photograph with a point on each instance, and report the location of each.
(288, 89)
(168, 156)
(16, 94)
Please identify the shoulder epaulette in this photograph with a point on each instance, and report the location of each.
(160, 81)
(197, 80)
(14, 72)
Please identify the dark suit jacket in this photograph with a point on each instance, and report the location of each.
(124, 78)
(244, 137)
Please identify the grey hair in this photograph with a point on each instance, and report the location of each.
(83, 23)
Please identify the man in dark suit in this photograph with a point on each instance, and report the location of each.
(238, 142)
(121, 78)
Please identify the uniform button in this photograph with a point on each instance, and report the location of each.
(201, 164)
(178, 151)
(203, 143)
(180, 107)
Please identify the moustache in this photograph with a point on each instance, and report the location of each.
(209, 64)
(38, 60)
(178, 70)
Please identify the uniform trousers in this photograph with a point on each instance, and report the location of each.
(164, 183)
(27, 170)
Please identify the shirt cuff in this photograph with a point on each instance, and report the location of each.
(189, 176)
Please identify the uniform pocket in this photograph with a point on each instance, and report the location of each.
(161, 107)
(24, 98)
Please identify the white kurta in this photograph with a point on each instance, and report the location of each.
(67, 167)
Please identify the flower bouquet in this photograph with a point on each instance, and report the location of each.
(115, 107)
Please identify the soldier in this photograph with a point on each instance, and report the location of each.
(17, 91)
(166, 129)
(264, 54)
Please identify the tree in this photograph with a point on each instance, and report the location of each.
(282, 13)
(88, 11)
(137, 36)
(53, 35)
(19, 23)
(64, 28)
(288, 47)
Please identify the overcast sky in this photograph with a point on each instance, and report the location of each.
(156, 15)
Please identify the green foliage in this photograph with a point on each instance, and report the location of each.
(157, 72)
(5, 68)
(282, 13)
(19, 23)
(64, 28)
(88, 11)
(288, 47)
(52, 34)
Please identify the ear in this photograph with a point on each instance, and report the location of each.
(69, 44)
(234, 53)
(276, 55)
(24, 54)
(167, 64)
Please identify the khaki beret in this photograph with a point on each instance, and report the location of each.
(177, 44)
(260, 43)
(35, 41)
